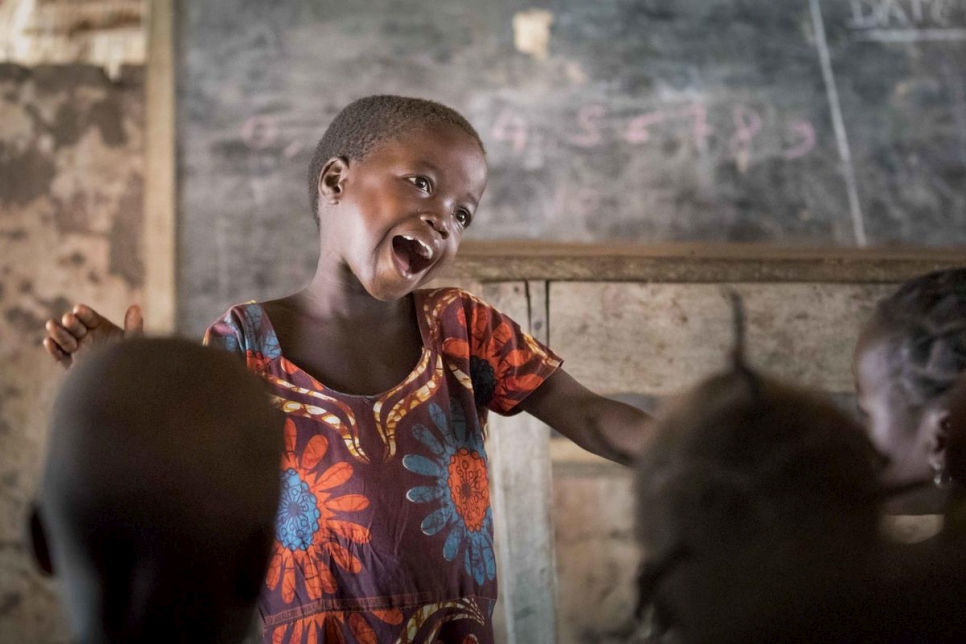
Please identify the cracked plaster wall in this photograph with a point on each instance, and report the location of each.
(71, 190)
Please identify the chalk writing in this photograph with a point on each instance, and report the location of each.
(588, 118)
(259, 131)
(702, 130)
(510, 127)
(747, 126)
(804, 131)
(269, 142)
(902, 14)
(638, 127)
(594, 127)
(908, 20)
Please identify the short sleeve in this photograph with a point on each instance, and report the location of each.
(506, 364)
(226, 334)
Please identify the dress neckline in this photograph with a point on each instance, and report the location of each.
(425, 351)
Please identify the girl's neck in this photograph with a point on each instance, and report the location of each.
(338, 295)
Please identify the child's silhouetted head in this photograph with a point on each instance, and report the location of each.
(907, 359)
(159, 494)
(750, 498)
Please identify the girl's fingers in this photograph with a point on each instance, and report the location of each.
(73, 325)
(88, 316)
(133, 322)
(60, 335)
(57, 353)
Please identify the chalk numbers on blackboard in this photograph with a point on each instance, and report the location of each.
(592, 127)
(261, 132)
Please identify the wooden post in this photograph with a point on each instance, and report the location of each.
(518, 449)
(159, 194)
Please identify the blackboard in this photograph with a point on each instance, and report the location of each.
(792, 121)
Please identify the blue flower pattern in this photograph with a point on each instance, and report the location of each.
(477, 545)
(268, 342)
(298, 515)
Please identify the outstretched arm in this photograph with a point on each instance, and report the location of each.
(83, 328)
(608, 428)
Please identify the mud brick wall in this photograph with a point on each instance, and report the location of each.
(71, 192)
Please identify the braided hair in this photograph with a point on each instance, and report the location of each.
(925, 322)
(364, 124)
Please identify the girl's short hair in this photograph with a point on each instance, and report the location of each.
(370, 121)
(925, 323)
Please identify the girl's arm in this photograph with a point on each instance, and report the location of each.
(608, 428)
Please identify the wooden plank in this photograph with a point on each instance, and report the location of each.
(597, 555)
(539, 301)
(691, 263)
(521, 496)
(105, 33)
(658, 339)
(159, 194)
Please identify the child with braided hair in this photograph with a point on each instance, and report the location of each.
(910, 372)
(908, 358)
(759, 504)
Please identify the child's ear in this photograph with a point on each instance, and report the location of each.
(332, 179)
(39, 546)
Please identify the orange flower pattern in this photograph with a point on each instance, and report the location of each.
(310, 528)
(354, 559)
(469, 487)
(458, 492)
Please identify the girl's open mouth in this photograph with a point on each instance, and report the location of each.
(412, 255)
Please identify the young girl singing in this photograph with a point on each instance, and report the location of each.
(385, 531)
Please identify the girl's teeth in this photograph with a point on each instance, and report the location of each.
(421, 248)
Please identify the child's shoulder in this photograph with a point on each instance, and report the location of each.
(449, 309)
(453, 313)
(449, 295)
(243, 326)
(241, 316)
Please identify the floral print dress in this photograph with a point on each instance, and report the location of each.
(384, 532)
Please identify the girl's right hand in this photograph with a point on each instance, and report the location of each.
(83, 328)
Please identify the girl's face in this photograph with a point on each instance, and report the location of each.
(897, 429)
(401, 213)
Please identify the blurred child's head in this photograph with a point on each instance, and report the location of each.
(750, 497)
(159, 494)
(394, 183)
(907, 359)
